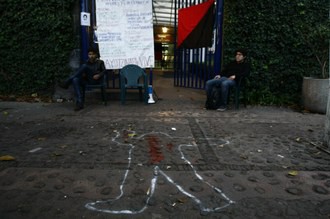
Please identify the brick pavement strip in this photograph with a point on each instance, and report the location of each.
(170, 163)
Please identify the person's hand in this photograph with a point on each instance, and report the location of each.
(217, 77)
(232, 77)
(96, 77)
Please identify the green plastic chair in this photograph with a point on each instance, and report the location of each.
(133, 77)
(238, 89)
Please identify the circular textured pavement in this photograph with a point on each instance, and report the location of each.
(171, 159)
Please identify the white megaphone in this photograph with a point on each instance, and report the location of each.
(150, 91)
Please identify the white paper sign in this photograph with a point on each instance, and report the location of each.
(125, 32)
(85, 19)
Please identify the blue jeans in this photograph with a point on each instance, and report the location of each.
(224, 84)
(82, 76)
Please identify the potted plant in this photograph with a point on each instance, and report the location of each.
(315, 88)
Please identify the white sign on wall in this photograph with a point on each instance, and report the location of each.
(85, 19)
(125, 32)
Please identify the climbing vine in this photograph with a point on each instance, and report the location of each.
(35, 42)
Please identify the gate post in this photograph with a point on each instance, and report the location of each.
(218, 45)
(84, 32)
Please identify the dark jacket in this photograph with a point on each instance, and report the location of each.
(97, 67)
(238, 69)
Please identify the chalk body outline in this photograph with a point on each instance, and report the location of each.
(157, 171)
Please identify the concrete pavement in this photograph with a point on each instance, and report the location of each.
(171, 159)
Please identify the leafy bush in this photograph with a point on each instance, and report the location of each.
(35, 42)
(272, 33)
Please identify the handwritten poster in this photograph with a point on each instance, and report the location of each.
(125, 32)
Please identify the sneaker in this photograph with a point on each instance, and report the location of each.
(222, 109)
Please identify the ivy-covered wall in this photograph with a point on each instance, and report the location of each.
(36, 39)
(282, 38)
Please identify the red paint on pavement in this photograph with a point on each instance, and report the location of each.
(155, 152)
(170, 146)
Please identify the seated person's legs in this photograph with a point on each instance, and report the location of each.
(77, 84)
(78, 80)
(209, 87)
(225, 86)
(78, 74)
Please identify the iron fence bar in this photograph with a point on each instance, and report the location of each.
(175, 45)
(218, 46)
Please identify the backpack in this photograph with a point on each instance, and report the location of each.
(212, 102)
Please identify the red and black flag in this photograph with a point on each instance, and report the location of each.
(195, 25)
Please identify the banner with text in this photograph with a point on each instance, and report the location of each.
(124, 32)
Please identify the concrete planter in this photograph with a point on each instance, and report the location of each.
(315, 94)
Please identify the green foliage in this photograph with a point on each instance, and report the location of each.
(36, 38)
(275, 35)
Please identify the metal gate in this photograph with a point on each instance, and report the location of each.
(193, 67)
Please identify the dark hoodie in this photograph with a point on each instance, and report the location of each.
(238, 69)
